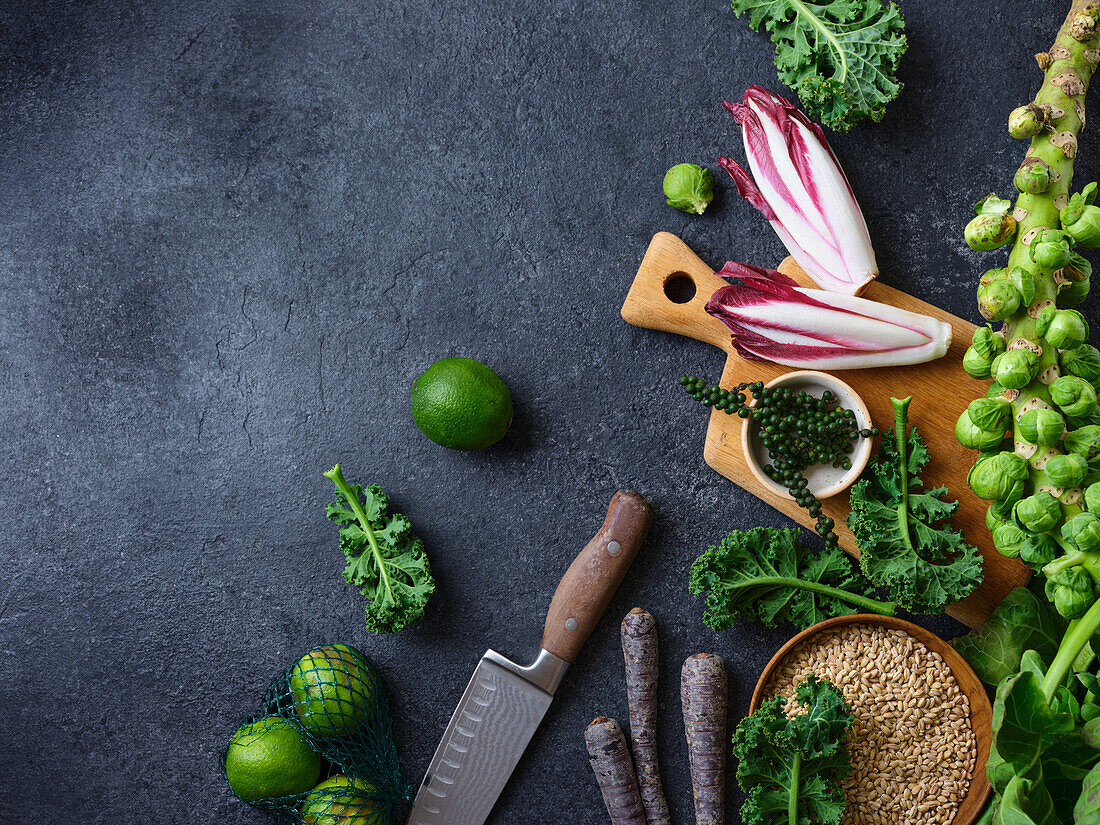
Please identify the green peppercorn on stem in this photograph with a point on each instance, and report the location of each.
(1042, 266)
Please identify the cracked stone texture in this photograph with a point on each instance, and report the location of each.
(232, 234)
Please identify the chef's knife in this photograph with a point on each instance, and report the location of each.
(504, 702)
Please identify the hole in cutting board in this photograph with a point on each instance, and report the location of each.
(679, 288)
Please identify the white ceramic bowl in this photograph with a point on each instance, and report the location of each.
(824, 479)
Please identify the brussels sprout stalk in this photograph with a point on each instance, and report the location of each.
(1036, 483)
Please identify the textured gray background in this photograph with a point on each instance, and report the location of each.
(231, 234)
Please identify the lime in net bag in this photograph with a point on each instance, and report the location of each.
(319, 750)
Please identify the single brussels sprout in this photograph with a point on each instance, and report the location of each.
(1016, 368)
(1027, 121)
(1066, 470)
(998, 299)
(1039, 513)
(1024, 282)
(689, 188)
(1039, 550)
(1092, 498)
(1009, 539)
(1050, 248)
(1081, 220)
(1079, 268)
(1042, 427)
(975, 364)
(1085, 442)
(990, 414)
(1076, 396)
(1072, 591)
(1071, 293)
(997, 513)
(993, 227)
(1083, 532)
(1082, 361)
(1033, 176)
(988, 343)
(1068, 329)
(998, 477)
(969, 435)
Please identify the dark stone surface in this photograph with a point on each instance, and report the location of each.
(231, 234)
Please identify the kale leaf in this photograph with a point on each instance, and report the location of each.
(801, 757)
(765, 574)
(839, 56)
(386, 561)
(924, 567)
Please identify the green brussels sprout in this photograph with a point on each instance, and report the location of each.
(993, 227)
(1039, 550)
(988, 343)
(975, 364)
(1009, 539)
(997, 513)
(1084, 441)
(1079, 268)
(1050, 248)
(969, 435)
(1076, 396)
(1016, 368)
(1039, 513)
(1044, 319)
(1081, 220)
(1083, 532)
(1042, 427)
(1027, 121)
(1068, 329)
(1024, 282)
(990, 414)
(1082, 361)
(998, 299)
(998, 477)
(1066, 470)
(1072, 591)
(1072, 293)
(689, 188)
(1092, 498)
(1033, 176)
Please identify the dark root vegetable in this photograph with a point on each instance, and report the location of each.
(639, 635)
(703, 695)
(610, 759)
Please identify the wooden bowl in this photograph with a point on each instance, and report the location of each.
(824, 479)
(981, 712)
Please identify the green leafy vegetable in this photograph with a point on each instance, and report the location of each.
(689, 188)
(924, 567)
(840, 56)
(386, 561)
(765, 574)
(790, 768)
(1022, 621)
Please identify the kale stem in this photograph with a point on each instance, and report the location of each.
(901, 440)
(792, 804)
(1077, 636)
(336, 477)
(865, 602)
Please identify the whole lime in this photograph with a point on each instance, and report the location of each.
(333, 689)
(462, 404)
(269, 758)
(341, 801)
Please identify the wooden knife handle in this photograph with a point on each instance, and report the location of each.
(595, 575)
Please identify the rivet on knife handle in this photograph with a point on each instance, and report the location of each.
(595, 575)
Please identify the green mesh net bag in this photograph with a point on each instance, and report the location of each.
(319, 750)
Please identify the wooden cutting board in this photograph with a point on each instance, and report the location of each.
(940, 390)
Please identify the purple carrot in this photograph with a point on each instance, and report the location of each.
(639, 635)
(703, 695)
(610, 758)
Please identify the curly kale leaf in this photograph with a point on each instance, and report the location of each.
(800, 757)
(767, 575)
(925, 567)
(386, 561)
(839, 56)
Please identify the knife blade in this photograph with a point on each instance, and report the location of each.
(504, 703)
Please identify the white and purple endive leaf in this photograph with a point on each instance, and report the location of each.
(772, 318)
(798, 185)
